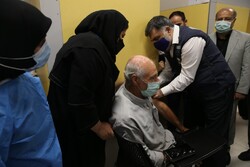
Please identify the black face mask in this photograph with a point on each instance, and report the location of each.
(119, 46)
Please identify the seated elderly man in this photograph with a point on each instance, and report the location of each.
(134, 116)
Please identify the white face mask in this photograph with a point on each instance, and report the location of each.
(222, 26)
(40, 57)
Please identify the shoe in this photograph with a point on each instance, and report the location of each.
(245, 156)
(228, 158)
(244, 117)
(243, 114)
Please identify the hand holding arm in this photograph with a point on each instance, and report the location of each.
(239, 96)
(158, 94)
(103, 130)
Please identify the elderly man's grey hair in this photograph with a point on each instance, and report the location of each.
(135, 66)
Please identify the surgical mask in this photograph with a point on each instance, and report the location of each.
(41, 57)
(162, 44)
(152, 88)
(222, 26)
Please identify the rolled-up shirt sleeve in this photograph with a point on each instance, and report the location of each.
(191, 56)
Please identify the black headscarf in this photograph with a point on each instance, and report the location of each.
(107, 24)
(22, 29)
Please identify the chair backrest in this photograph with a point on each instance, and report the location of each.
(131, 154)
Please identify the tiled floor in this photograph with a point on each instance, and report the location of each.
(240, 143)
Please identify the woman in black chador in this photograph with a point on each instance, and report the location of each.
(82, 86)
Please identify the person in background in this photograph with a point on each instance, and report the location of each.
(235, 47)
(82, 87)
(27, 133)
(134, 116)
(178, 18)
(201, 70)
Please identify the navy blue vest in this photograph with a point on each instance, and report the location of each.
(213, 68)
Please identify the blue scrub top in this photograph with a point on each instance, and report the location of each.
(27, 133)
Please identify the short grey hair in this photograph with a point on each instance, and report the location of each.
(135, 66)
(157, 22)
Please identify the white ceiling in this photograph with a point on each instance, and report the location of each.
(170, 4)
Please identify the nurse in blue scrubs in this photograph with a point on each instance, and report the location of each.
(27, 133)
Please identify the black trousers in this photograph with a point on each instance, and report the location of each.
(210, 107)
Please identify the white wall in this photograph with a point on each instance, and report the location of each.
(211, 16)
(170, 4)
(51, 8)
(242, 3)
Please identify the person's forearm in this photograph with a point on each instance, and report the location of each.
(96, 127)
(172, 118)
(168, 114)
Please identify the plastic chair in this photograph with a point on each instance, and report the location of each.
(131, 154)
(203, 141)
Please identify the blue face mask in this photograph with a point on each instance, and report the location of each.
(162, 44)
(41, 57)
(222, 26)
(151, 89)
